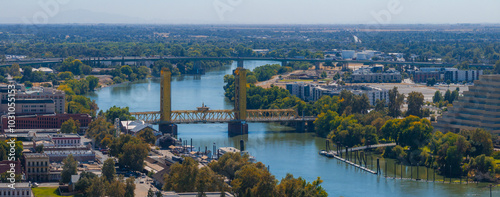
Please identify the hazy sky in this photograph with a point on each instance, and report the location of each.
(250, 11)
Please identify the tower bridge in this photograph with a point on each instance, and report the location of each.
(237, 118)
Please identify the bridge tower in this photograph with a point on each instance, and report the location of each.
(239, 126)
(166, 125)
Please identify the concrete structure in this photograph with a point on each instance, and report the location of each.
(348, 54)
(21, 190)
(50, 121)
(36, 166)
(477, 108)
(375, 74)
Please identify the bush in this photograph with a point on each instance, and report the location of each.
(496, 155)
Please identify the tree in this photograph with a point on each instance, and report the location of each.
(126, 70)
(380, 105)
(497, 67)
(130, 187)
(14, 70)
(131, 152)
(431, 81)
(480, 140)
(69, 168)
(118, 112)
(323, 75)
(93, 82)
(97, 188)
(85, 181)
(447, 96)
(437, 97)
(290, 186)
(116, 188)
(182, 176)
(415, 132)
(108, 169)
(147, 135)
(39, 148)
(254, 179)
(323, 124)
(395, 102)
(415, 102)
(70, 126)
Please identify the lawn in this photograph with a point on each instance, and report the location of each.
(45, 191)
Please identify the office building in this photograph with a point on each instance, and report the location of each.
(477, 108)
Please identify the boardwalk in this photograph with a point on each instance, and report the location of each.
(364, 147)
(334, 154)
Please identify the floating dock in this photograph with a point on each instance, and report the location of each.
(334, 155)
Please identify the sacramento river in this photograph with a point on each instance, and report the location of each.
(277, 146)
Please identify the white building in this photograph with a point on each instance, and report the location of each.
(43, 69)
(21, 190)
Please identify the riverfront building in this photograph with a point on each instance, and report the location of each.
(310, 92)
(477, 108)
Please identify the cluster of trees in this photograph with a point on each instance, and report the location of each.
(127, 73)
(448, 97)
(92, 185)
(467, 153)
(247, 179)
(70, 126)
(5, 149)
(75, 66)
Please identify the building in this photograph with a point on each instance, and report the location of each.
(348, 54)
(57, 96)
(83, 156)
(49, 121)
(301, 90)
(373, 93)
(66, 139)
(477, 108)
(445, 74)
(30, 106)
(21, 190)
(136, 126)
(43, 69)
(36, 166)
(375, 74)
(5, 166)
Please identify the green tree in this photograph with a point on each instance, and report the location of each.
(126, 70)
(130, 187)
(323, 124)
(480, 141)
(447, 96)
(70, 126)
(117, 112)
(65, 75)
(69, 168)
(323, 75)
(108, 169)
(116, 188)
(93, 82)
(415, 132)
(14, 70)
(97, 187)
(147, 135)
(437, 97)
(415, 102)
(290, 186)
(395, 102)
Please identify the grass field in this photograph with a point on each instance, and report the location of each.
(45, 191)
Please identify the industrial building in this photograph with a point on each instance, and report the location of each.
(477, 108)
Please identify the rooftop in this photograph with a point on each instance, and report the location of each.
(35, 155)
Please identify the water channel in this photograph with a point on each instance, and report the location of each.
(284, 150)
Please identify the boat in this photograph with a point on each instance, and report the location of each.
(322, 152)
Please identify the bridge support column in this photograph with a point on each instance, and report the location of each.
(310, 126)
(300, 126)
(168, 128)
(237, 128)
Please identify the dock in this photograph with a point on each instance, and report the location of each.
(353, 164)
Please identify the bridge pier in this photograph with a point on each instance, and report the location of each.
(300, 126)
(237, 128)
(310, 126)
(168, 128)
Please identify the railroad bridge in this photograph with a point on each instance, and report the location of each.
(237, 119)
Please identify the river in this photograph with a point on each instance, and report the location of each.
(284, 150)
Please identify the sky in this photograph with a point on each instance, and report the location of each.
(251, 11)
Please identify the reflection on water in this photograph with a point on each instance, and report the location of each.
(284, 150)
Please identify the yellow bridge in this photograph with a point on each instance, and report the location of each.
(167, 119)
(220, 116)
